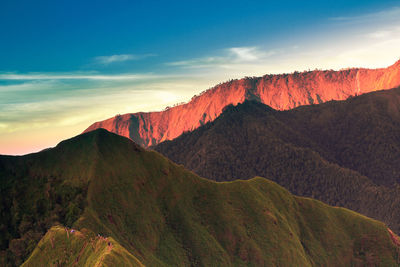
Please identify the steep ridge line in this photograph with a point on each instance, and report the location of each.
(281, 92)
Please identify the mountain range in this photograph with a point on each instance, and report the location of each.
(109, 202)
(115, 197)
(345, 153)
(282, 92)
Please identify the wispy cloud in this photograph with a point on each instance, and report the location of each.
(246, 54)
(382, 15)
(197, 62)
(379, 34)
(57, 105)
(74, 76)
(367, 40)
(233, 55)
(106, 60)
(38, 114)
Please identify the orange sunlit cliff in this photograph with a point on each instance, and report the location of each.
(283, 91)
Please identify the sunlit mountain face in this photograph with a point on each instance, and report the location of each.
(220, 133)
(282, 92)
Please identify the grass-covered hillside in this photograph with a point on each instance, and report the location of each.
(63, 246)
(131, 206)
(345, 153)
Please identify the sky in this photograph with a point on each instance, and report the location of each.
(67, 64)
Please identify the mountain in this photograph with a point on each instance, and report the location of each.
(112, 203)
(281, 92)
(345, 153)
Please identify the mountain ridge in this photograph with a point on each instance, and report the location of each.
(141, 208)
(281, 91)
(345, 153)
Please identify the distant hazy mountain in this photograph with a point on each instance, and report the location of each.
(281, 92)
(125, 206)
(345, 153)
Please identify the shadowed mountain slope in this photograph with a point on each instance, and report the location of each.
(149, 210)
(344, 153)
(282, 92)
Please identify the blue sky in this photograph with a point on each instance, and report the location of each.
(66, 64)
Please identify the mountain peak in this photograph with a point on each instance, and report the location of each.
(98, 137)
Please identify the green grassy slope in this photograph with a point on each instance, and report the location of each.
(61, 247)
(331, 152)
(163, 215)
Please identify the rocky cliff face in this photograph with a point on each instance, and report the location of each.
(282, 92)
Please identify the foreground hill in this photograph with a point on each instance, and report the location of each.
(130, 206)
(282, 92)
(344, 153)
(62, 247)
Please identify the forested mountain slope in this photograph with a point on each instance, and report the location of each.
(344, 153)
(125, 205)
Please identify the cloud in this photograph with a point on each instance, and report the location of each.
(198, 62)
(40, 103)
(233, 55)
(383, 15)
(74, 76)
(39, 114)
(245, 54)
(367, 40)
(379, 34)
(106, 60)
